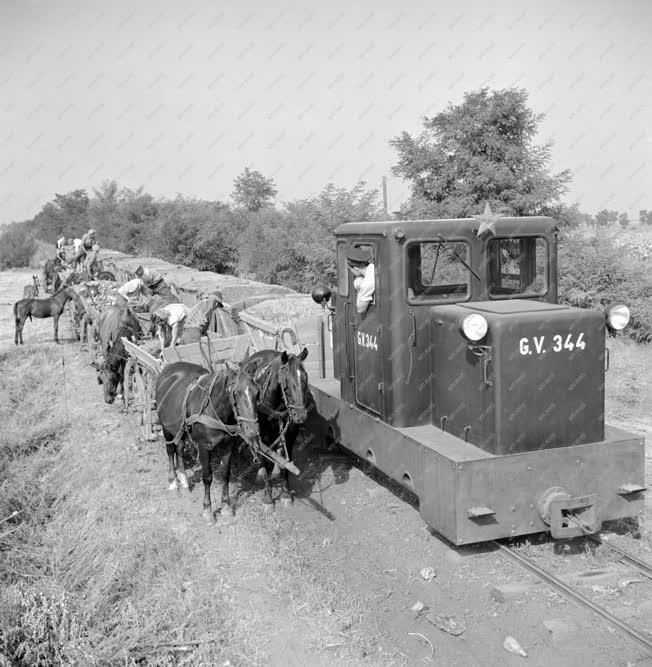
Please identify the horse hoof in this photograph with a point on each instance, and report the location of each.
(207, 516)
(226, 511)
(268, 507)
(173, 486)
(286, 501)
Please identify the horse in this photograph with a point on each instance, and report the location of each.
(31, 291)
(210, 409)
(51, 307)
(51, 276)
(283, 384)
(114, 324)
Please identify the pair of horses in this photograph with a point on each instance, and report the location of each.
(42, 308)
(265, 402)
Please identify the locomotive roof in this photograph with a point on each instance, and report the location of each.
(453, 227)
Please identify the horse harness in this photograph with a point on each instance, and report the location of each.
(200, 417)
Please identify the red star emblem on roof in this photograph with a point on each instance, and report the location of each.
(487, 222)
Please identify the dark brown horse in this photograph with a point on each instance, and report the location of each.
(51, 307)
(113, 325)
(283, 407)
(211, 409)
(51, 278)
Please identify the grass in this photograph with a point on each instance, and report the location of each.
(103, 566)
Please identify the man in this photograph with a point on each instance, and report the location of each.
(78, 253)
(360, 260)
(91, 259)
(88, 240)
(199, 316)
(154, 282)
(129, 292)
(61, 248)
(172, 316)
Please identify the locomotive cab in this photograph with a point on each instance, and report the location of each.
(464, 357)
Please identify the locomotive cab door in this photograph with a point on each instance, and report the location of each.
(365, 343)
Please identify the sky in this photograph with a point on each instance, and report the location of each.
(180, 97)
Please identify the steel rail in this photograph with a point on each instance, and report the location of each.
(556, 583)
(644, 568)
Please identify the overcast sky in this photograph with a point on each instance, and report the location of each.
(180, 96)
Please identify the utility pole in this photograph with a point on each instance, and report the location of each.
(385, 213)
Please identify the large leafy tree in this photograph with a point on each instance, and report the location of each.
(481, 150)
(252, 190)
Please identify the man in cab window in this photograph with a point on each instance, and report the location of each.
(361, 262)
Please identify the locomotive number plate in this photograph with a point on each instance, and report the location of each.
(367, 340)
(556, 343)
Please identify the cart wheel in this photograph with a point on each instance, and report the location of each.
(148, 431)
(128, 382)
(143, 403)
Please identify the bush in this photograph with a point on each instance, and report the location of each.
(596, 272)
(17, 246)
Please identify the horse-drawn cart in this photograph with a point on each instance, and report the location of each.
(142, 369)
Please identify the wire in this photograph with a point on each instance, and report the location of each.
(65, 395)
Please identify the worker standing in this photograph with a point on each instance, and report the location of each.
(79, 253)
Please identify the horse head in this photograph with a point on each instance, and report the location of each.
(293, 380)
(244, 394)
(107, 378)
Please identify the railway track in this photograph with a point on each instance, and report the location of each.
(643, 639)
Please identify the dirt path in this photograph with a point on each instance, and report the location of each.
(331, 580)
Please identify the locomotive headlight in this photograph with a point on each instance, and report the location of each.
(618, 317)
(474, 327)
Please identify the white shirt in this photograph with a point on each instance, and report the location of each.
(61, 242)
(365, 285)
(131, 289)
(174, 312)
(77, 244)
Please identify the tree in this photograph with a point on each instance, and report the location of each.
(17, 245)
(480, 151)
(605, 216)
(644, 217)
(73, 204)
(252, 190)
(623, 220)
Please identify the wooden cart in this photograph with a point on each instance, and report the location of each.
(142, 369)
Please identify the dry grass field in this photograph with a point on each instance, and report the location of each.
(102, 565)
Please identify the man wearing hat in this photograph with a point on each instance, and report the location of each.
(88, 240)
(154, 282)
(361, 263)
(171, 317)
(199, 316)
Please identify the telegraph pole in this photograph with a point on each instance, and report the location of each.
(385, 213)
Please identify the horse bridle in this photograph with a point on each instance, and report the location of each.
(289, 406)
(274, 413)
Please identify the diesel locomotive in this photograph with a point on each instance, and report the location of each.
(468, 383)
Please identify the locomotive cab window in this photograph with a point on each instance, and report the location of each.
(438, 271)
(517, 267)
(358, 279)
